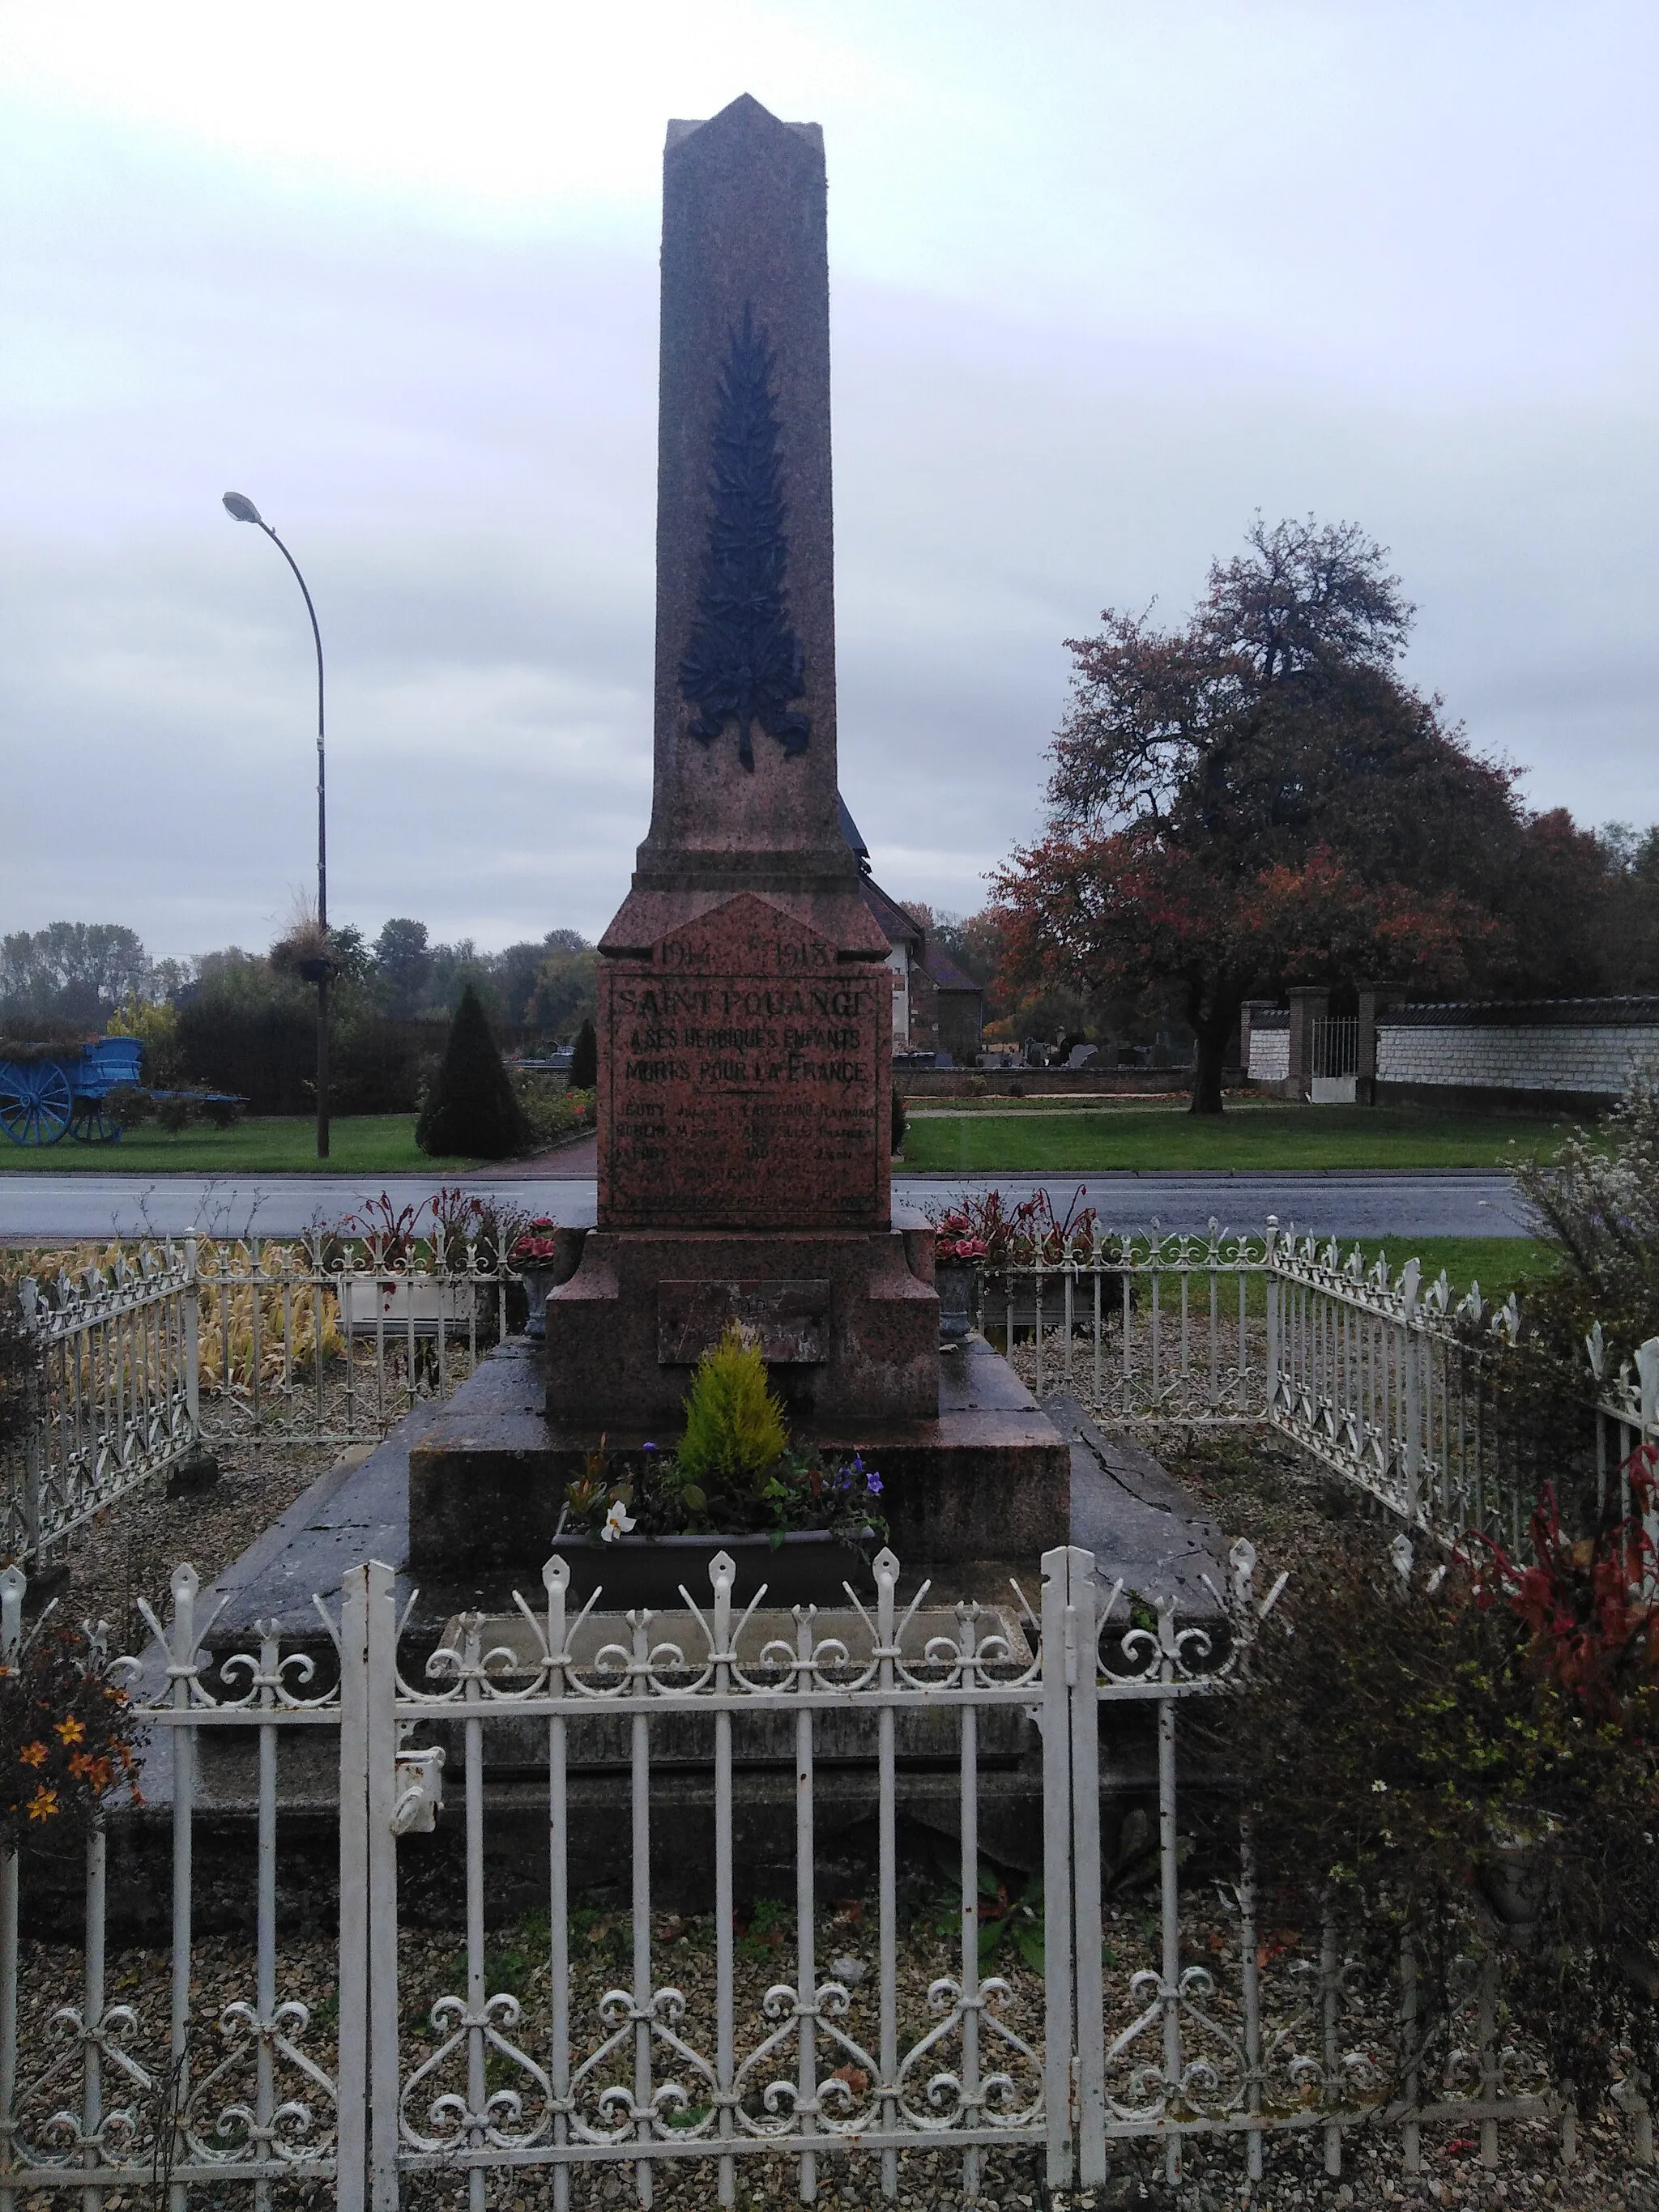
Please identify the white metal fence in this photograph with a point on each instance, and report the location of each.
(1149, 2026)
(1385, 1379)
(168, 1348)
(116, 1395)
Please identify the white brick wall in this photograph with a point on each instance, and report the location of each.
(1521, 1058)
(1270, 1055)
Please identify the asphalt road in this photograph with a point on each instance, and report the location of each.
(1349, 1203)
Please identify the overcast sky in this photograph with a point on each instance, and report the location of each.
(1106, 279)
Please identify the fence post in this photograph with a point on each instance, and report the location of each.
(1273, 1294)
(1411, 1394)
(29, 1296)
(12, 1587)
(352, 2068)
(380, 1805)
(193, 1349)
(1059, 1668)
(1083, 1627)
(1647, 1377)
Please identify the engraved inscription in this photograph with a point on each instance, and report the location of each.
(745, 1068)
(791, 1319)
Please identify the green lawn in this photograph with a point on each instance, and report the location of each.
(1497, 1263)
(1084, 1102)
(361, 1143)
(1168, 1138)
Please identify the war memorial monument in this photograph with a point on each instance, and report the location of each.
(745, 1014)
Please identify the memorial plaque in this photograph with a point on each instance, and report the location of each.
(742, 1085)
(790, 1320)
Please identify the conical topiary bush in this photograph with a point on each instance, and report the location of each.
(585, 1059)
(471, 1106)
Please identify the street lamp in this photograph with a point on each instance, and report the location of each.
(315, 970)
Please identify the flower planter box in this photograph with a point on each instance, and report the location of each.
(1024, 1299)
(367, 1307)
(809, 1567)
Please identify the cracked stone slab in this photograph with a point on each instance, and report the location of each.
(1143, 1526)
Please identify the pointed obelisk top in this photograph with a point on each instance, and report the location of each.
(743, 794)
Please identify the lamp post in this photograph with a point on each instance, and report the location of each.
(315, 970)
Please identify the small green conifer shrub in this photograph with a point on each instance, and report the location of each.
(734, 1426)
(471, 1108)
(585, 1059)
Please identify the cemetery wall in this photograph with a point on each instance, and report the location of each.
(1270, 1050)
(1573, 1052)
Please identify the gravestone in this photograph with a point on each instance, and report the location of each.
(745, 1007)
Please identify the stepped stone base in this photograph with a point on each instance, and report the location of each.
(981, 1488)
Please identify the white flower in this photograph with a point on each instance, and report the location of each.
(617, 1523)
(1380, 1789)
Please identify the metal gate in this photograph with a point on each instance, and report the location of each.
(1123, 2025)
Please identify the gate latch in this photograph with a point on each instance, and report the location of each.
(420, 1791)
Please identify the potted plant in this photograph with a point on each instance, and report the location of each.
(535, 1253)
(958, 1254)
(988, 1238)
(382, 1288)
(638, 1525)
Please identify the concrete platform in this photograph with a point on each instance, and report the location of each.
(1143, 1528)
(1141, 1525)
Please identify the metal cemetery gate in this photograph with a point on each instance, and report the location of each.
(183, 2096)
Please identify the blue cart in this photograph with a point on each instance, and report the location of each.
(50, 1094)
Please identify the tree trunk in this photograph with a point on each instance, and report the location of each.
(1214, 1033)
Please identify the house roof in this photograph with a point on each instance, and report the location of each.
(849, 829)
(900, 927)
(945, 972)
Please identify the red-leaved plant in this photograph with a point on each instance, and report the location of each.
(1590, 1604)
(534, 1247)
(986, 1231)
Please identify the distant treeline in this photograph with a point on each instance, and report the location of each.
(246, 1022)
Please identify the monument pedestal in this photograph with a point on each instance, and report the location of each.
(847, 1320)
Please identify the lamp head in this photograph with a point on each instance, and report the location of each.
(242, 508)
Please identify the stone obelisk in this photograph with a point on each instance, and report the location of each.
(745, 1012)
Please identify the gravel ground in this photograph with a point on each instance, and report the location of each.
(130, 1549)
(432, 1966)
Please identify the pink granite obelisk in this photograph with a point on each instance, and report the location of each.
(746, 1013)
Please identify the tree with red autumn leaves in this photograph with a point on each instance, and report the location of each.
(1257, 798)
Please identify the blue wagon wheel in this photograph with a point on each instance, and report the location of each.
(87, 1124)
(35, 1104)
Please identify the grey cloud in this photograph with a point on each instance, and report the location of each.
(458, 442)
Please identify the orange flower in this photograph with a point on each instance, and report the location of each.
(43, 1804)
(33, 1754)
(71, 1731)
(81, 1764)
